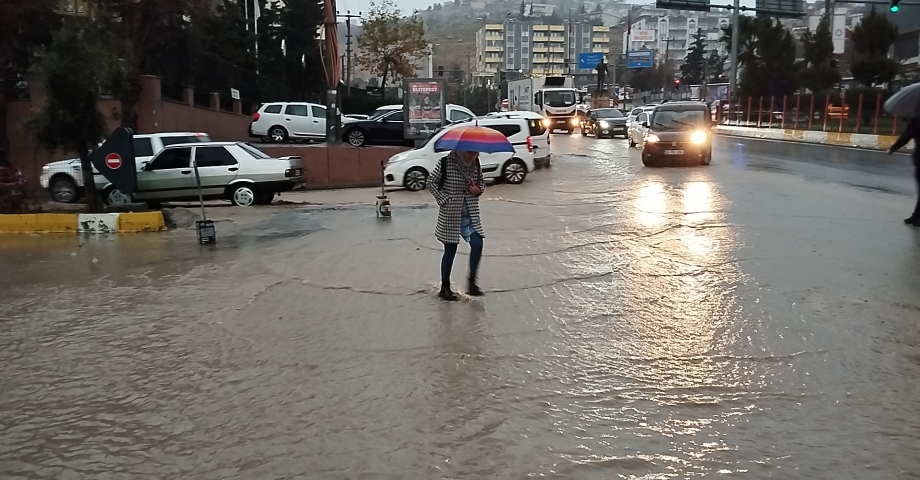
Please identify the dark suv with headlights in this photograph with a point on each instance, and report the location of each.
(604, 122)
(678, 133)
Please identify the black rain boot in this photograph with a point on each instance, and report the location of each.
(474, 289)
(913, 220)
(446, 294)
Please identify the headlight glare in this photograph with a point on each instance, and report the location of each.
(698, 137)
(652, 138)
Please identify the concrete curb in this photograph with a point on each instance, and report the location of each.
(877, 142)
(83, 223)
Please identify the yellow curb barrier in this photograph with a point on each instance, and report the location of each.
(140, 222)
(69, 223)
(39, 223)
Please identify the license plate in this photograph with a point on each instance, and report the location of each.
(298, 172)
(673, 152)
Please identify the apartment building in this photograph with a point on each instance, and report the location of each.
(524, 48)
(671, 34)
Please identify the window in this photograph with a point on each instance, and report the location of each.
(525, 33)
(296, 110)
(459, 116)
(318, 111)
(184, 139)
(642, 118)
(506, 130)
(213, 157)
(253, 151)
(636, 111)
(273, 109)
(397, 116)
(142, 147)
(172, 158)
(537, 128)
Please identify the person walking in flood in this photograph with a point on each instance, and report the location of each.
(911, 133)
(456, 184)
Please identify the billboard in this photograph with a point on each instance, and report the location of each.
(423, 107)
(640, 59)
(589, 60)
(693, 5)
(781, 8)
(643, 36)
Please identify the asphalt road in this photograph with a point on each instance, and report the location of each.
(756, 318)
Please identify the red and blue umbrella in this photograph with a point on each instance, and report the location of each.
(474, 139)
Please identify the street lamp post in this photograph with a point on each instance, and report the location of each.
(736, 32)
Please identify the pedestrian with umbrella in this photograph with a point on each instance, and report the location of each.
(456, 184)
(906, 103)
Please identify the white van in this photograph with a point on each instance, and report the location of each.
(411, 169)
(539, 133)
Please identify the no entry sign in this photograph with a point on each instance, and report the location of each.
(113, 160)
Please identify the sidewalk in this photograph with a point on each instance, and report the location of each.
(859, 140)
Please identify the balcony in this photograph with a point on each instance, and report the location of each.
(540, 38)
(557, 50)
(557, 39)
(540, 50)
(494, 49)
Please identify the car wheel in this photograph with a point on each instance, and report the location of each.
(569, 131)
(416, 179)
(514, 172)
(356, 137)
(63, 189)
(632, 143)
(244, 195)
(265, 139)
(278, 134)
(115, 198)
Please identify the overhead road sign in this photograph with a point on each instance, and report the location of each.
(781, 8)
(640, 59)
(589, 60)
(693, 5)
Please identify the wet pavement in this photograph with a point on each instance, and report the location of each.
(757, 318)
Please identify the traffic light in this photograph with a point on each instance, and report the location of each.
(502, 76)
(440, 70)
(894, 5)
(676, 83)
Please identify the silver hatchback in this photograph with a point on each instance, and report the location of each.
(232, 171)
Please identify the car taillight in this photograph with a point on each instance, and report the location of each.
(255, 117)
(530, 144)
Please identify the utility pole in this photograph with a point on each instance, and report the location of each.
(348, 73)
(736, 32)
(330, 60)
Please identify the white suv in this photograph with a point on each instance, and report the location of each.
(539, 133)
(284, 121)
(411, 169)
(64, 179)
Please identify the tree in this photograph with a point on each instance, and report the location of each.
(582, 10)
(133, 28)
(523, 9)
(598, 8)
(74, 68)
(872, 39)
(691, 72)
(18, 41)
(766, 56)
(817, 74)
(389, 43)
(715, 68)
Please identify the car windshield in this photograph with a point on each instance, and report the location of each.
(608, 113)
(255, 152)
(562, 98)
(379, 113)
(680, 120)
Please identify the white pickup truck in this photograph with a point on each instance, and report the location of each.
(64, 179)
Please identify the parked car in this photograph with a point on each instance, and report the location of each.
(355, 116)
(604, 122)
(281, 122)
(411, 169)
(64, 179)
(539, 133)
(678, 133)
(232, 171)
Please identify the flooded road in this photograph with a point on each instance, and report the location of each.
(757, 318)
